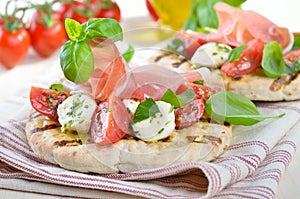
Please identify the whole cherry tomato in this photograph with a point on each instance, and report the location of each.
(151, 10)
(14, 46)
(109, 9)
(47, 36)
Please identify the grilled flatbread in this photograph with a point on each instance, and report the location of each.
(202, 141)
(255, 86)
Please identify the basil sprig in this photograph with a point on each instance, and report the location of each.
(203, 14)
(229, 107)
(296, 43)
(178, 100)
(273, 61)
(145, 110)
(76, 57)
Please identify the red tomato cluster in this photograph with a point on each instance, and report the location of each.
(46, 32)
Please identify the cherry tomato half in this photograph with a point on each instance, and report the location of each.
(250, 59)
(105, 128)
(46, 101)
(189, 114)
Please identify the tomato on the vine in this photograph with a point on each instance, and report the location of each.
(14, 39)
(47, 35)
(14, 46)
(109, 9)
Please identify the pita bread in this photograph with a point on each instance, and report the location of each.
(202, 141)
(255, 86)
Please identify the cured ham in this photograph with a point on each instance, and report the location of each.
(110, 67)
(238, 27)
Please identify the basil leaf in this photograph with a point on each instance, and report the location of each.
(128, 54)
(103, 27)
(145, 110)
(57, 87)
(73, 28)
(77, 62)
(177, 46)
(206, 14)
(235, 3)
(273, 61)
(203, 14)
(236, 53)
(235, 109)
(293, 68)
(191, 23)
(296, 41)
(178, 100)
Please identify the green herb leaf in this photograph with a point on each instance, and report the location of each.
(145, 110)
(236, 53)
(235, 109)
(128, 54)
(57, 87)
(73, 28)
(103, 27)
(296, 41)
(273, 60)
(203, 14)
(176, 46)
(235, 3)
(293, 68)
(178, 100)
(77, 62)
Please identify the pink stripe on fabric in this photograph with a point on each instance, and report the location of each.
(116, 186)
(250, 144)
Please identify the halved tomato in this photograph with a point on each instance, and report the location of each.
(106, 129)
(189, 114)
(201, 91)
(250, 59)
(46, 101)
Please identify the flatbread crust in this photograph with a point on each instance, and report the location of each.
(255, 86)
(202, 141)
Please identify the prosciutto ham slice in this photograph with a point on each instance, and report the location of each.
(238, 27)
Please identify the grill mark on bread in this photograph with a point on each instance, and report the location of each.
(74, 142)
(204, 139)
(46, 127)
(163, 55)
(279, 83)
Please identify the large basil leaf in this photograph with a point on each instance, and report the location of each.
(77, 61)
(235, 109)
(103, 27)
(203, 14)
(273, 61)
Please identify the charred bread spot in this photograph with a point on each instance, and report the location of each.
(213, 139)
(74, 142)
(164, 54)
(46, 127)
(280, 82)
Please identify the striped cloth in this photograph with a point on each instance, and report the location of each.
(250, 168)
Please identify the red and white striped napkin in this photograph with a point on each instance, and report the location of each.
(250, 168)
